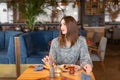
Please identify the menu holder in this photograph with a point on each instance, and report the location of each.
(85, 76)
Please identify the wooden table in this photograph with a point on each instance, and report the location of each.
(30, 74)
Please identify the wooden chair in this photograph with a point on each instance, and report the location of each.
(116, 36)
(94, 37)
(98, 54)
(93, 40)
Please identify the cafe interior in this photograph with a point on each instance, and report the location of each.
(28, 26)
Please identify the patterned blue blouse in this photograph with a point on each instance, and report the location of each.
(71, 55)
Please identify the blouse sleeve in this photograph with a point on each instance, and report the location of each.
(52, 52)
(84, 54)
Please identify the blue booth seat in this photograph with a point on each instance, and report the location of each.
(7, 53)
(35, 45)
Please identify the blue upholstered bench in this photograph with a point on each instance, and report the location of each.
(35, 45)
(7, 54)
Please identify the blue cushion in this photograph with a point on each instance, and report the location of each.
(2, 40)
(9, 34)
(23, 60)
(40, 40)
(28, 43)
(33, 60)
(23, 49)
(55, 33)
(3, 53)
(4, 61)
(40, 54)
(7, 54)
(3, 57)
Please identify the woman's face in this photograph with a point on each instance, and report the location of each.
(63, 27)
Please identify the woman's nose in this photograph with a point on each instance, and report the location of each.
(61, 27)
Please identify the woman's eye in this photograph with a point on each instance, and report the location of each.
(64, 24)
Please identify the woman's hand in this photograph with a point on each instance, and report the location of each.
(46, 60)
(88, 68)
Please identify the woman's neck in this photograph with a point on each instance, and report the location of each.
(68, 43)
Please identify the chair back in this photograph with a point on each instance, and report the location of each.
(94, 38)
(102, 46)
(116, 32)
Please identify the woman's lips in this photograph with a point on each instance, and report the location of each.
(62, 30)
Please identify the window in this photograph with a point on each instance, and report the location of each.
(5, 14)
(112, 13)
(55, 14)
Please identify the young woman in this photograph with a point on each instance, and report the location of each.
(69, 47)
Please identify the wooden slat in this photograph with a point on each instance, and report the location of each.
(17, 55)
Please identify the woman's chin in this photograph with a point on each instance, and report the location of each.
(63, 33)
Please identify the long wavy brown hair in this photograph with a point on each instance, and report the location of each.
(72, 31)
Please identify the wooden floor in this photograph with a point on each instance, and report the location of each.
(112, 64)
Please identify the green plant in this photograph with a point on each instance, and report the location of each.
(29, 10)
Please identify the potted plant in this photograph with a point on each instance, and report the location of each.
(29, 10)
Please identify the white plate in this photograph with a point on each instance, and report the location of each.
(65, 67)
